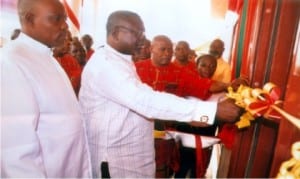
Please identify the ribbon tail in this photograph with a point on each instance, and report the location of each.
(200, 166)
(271, 113)
(292, 119)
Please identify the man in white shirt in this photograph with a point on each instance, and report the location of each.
(42, 132)
(117, 106)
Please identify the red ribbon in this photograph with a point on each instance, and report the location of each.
(262, 106)
(227, 134)
(200, 158)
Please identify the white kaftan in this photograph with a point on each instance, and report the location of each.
(42, 132)
(116, 106)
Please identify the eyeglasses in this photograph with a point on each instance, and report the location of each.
(137, 34)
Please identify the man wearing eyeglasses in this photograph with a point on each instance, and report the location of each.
(117, 106)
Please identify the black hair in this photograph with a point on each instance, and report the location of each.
(205, 56)
(116, 17)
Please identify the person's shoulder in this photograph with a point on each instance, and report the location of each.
(14, 51)
(97, 61)
(143, 63)
(190, 70)
(146, 61)
(173, 65)
(97, 54)
(222, 61)
(175, 69)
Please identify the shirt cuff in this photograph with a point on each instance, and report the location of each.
(205, 112)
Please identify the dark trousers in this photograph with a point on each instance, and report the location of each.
(188, 155)
(188, 161)
(104, 170)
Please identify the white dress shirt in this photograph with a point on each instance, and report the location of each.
(117, 105)
(42, 132)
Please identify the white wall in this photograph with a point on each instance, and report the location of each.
(8, 22)
(188, 20)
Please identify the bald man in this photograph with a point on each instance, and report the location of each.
(223, 71)
(42, 133)
(182, 56)
(143, 51)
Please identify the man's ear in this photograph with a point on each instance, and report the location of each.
(29, 18)
(151, 48)
(115, 33)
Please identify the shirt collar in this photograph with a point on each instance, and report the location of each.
(36, 45)
(115, 52)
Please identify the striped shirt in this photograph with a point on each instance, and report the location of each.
(117, 107)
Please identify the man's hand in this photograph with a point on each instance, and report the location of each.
(227, 111)
(239, 81)
(199, 124)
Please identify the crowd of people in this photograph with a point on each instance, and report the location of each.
(72, 55)
(71, 111)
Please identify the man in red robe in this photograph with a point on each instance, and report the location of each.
(143, 51)
(87, 42)
(182, 56)
(69, 63)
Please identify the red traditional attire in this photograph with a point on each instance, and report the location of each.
(191, 65)
(195, 159)
(72, 68)
(89, 53)
(173, 79)
(181, 82)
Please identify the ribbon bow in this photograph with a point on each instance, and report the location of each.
(259, 102)
(264, 100)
